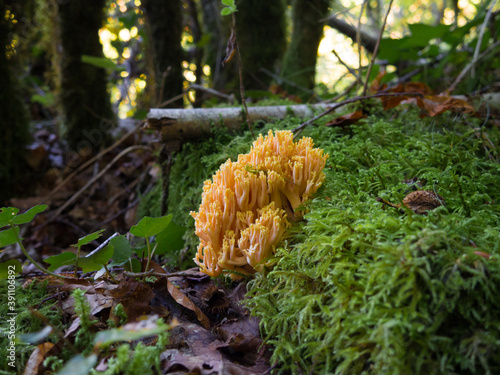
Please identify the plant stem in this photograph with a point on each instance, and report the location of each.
(35, 263)
(76, 261)
(149, 254)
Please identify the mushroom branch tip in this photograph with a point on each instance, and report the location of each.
(242, 216)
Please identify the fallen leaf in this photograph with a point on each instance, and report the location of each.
(184, 300)
(436, 104)
(35, 361)
(345, 120)
(421, 201)
(135, 297)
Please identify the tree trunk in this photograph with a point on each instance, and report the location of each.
(13, 115)
(85, 100)
(299, 67)
(217, 29)
(260, 27)
(164, 19)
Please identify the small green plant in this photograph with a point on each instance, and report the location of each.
(128, 360)
(229, 7)
(9, 218)
(167, 234)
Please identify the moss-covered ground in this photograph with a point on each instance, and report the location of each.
(26, 298)
(360, 287)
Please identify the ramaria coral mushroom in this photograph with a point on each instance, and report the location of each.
(241, 218)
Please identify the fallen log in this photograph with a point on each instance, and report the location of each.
(190, 124)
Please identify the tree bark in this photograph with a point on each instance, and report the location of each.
(13, 114)
(261, 34)
(164, 19)
(260, 27)
(300, 58)
(86, 104)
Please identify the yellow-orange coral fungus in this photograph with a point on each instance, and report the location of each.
(241, 218)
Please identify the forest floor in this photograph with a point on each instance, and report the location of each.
(209, 329)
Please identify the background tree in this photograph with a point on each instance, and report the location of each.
(299, 65)
(164, 19)
(13, 115)
(261, 33)
(86, 105)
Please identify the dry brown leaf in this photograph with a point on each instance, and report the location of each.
(35, 361)
(436, 104)
(348, 119)
(421, 201)
(184, 300)
(135, 297)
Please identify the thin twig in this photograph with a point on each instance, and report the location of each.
(99, 175)
(481, 35)
(101, 246)
(471, 64)
(351, 70)
(240, 71)
(171, 100)
(299, 128)
(358, 40)
(90, 162)
(342, 94)
(229, 98)
(157, 274)
(375, 51)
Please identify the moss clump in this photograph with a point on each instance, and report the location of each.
(25, 298)
(364, 288)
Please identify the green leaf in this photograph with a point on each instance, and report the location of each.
(47, 100)
(141, 251)
(136, 265)
(122, 251)
(79, 365)
(110, 336)
(95, 261)
(170, 239)
(228, 3)
(10, 268)
(150, 226)
(8, 237)
(101, 62)
(6, 215)
(89, 238)
(227, 11)
(64, 259)
(30, 214)
(36, 337)
(374, 72)
(421, 34)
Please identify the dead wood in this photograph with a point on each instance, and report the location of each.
(190, 124)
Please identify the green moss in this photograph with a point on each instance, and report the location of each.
(25, 298)
(363, 288)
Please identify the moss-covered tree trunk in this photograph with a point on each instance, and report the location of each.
(164, 20)
(88, 115)
(13, 115)
(261, 33)
(300, 59)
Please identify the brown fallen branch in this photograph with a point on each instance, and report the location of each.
(335, 106)
(191, 124)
